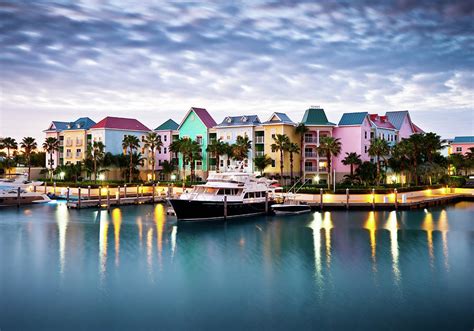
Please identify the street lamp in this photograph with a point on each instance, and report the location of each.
(173, 177)
(316, 179)
(101, 177)
(62, 174)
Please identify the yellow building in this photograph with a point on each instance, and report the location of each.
(74, 140)
(278, 123)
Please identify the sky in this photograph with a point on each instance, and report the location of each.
(153, 60)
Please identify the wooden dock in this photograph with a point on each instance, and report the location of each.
(107, 203)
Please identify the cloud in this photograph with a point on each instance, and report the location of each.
(119, 57)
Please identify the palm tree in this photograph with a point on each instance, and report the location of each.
(431, 145)
(95, 152)
(152, 142)
(51, 145)
(261, 162)
(301, 129)
(167, 167)
(192, 150)
(240, 149)
(292, 148)
(9, 143)
(351, 160)
(367, 172)
(379, 148)
(218, 147)
(399, 161)
(178, 147)
(414, 146)
(330, 147)
(281, 145)
(131, 143)
(29, 145)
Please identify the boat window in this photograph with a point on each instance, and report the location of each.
(211, 190)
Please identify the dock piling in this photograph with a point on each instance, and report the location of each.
(18, 191)
(266, 203)
(321, 198)
(67, 195)
(373, 199)
(34, 188)
(347, 198)
(141, 190)
(108, 199)
(45, 188)
(100, 196)
(88, 192)
(396, 198)
(78, 197)
(153, 194)
(137, 193)
(125, 190)
(225, 207)
(118, 195)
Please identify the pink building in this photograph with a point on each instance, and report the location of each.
(401, 120)
(461, 145)
(167, 132)
(354, 131)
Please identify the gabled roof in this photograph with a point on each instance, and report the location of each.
(397, 117)
(83, 123)
(463, 140)
(169, 125)
(417, 128)
(203, 115)
(353, 118)
(243, 120)
(381, 122)
(57, 126)
(120, 123)
(279, 118)
(316, 116)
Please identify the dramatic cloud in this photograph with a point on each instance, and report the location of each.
(153, 60)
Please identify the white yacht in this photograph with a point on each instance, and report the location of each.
(18, 181)
(226, 195)
(9, 192)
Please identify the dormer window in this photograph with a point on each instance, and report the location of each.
(244, 119)
(78, 125)
(228, 120)
(69, 126)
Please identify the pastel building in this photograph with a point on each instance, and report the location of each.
(75, 140)
(383, 129)
(461, 145)
(111, 131)
(228, 131)
(196, 125)
(315, 165)
(354, 131)
(402, 122)
(54, 130)
(167, 133)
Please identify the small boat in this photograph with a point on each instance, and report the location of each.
(226, 195)
(290, 206)
(18, 181)
(10, 197)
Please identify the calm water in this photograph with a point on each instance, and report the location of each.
(135, 269)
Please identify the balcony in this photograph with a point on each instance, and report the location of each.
(310, 140)
(310, 169)
(68, 142)
(310, 154)
(260, 140)
(78, 155)
(213, 167)
(259, 153)
(323, 169)
(78, 142)
(68, 155)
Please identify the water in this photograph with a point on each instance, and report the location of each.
(135, 269)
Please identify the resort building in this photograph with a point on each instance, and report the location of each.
(355, 131)
(228, 131)
(54, 130)
(461, 145)
(75, 139)
(315, 165)
(278, 123)
(111, 131)
(402, 122)
(383, 129)
(196, 125)
(167, 133)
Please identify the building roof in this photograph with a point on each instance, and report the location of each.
(397, 117)
(243, 120)
(169, 125)
(381, 122)
(279, 118)
(57, 126)
(463, 140)
(203, 115)
(316, 116)
(417, 128)
(353, 118)
(83, 123)
(120, 123)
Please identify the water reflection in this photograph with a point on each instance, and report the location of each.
(315, 226)
(62, 219)
(117, 221)
(428, 226)
(444, 227)
(139, 222)
(392, 227)
(103, 237)
(174, 232)
(159, 219)
(370, 225)
(327, 226)
(149, 250)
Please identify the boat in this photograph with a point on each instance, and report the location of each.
(226, 195)
(18, 181)
(290, 206)
(10, 197)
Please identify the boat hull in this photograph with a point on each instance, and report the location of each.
(198, 211)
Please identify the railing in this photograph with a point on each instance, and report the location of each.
(310, 140)
(259, 140)
(78, 142)
(69, 155)
(323, 169)
(213, 167)
(78, 155)
(259, 153)
(310, 169)
(68, 142)
(310, 154)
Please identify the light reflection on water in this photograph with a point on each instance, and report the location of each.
(325, 262)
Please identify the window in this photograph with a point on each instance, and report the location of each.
(199, 140)
(372, 135)
(159, 150)
(273, 163)
(164, 137)
(159, 162)
(365, 134)
(365, 149)
(159, 137)
(458, 149)
(273, 149)
(164, 149)
(273, 136)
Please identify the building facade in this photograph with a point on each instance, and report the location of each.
(54, 130)
(75, 140)
(402, 122)
(461, 145)
(166, 132)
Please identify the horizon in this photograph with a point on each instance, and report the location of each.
(152, 62)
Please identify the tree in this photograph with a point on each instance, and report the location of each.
(192, 150)
(281, 145)
(367, 172)
(261, 162)
(301, 129)
(29, 145)
(95, 153)
(152, 142)
(131, 143)
(9, 143)
(414, 146)
(240, 149)
(399, 160)
(329, 146)
(218, 147)
(379, 149)
(352, 159)
(292, 148)
(167, 167)
(51, 145)
(457, 161)
(177, 147)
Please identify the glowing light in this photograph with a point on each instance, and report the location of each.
(394, 179)
(103, 234)
(370, 225)
(315, 225)
(392, 226)
(62, 219)
(140, 229)
(427, 225)
(117, 221)
(101, 177)
(62, 174)
(173, 177)
(316, 179)
(159, 218)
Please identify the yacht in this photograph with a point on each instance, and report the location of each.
(226, 195)
(18, 181)
(10, 197)
(290, 206)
